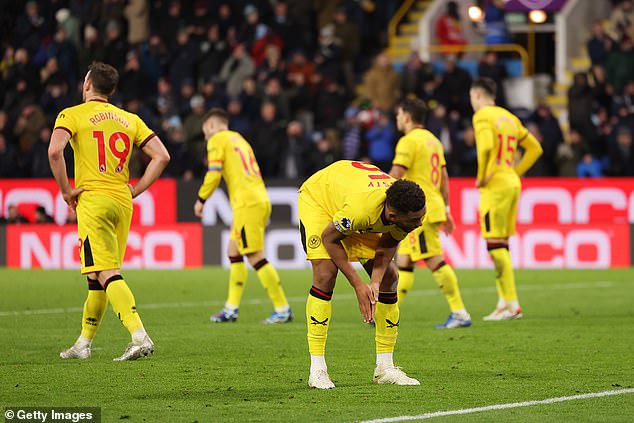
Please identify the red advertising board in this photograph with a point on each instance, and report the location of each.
(546, 246)
(555, 201)
(155, 206)
(56, 247)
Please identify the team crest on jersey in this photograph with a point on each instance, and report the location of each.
(314, 241)
(346, 223)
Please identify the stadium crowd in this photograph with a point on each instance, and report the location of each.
(287, 72)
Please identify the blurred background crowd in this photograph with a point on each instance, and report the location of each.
(288, 73)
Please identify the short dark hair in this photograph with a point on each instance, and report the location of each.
(104, 78)
(405, 196)
(416, 108)
(487, 85)
(217, 113)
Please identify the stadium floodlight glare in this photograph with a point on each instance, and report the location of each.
(537, 16)
(475, 14)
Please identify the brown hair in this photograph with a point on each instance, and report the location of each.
(104, 78)
(217, 113)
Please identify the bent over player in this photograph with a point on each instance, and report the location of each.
(352, 211)
(230, 156)
(102, 136)
(420, 158)
(498, 134)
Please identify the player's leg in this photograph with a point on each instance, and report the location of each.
(94, 309)
(251, 222)
(405, 267)
(237, 281)
(498, 224)
(318, 319)
(447, 281)
(386, 321)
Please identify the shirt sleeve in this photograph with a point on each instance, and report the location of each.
(351, 218)
(484, 143)
(403, 156)
(143, 133)
(215, 159)
(66, 122)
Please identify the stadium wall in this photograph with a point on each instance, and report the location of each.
(562, 223)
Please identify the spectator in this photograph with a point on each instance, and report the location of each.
(138, 15)
(626, 100)
(551, 137)
(70, 25)
(589, 167)
(580, 101)
(213, 52)
(455, 87)
(465, 154)
(238, 67)
(285, 27)
(41, 216)
(238, 121)
(40, 167)
(381, 142)
(329, 102)
(415, 75)
(348, 38)
(449, 29)
(32, 27)
(599, 44)
(495, 22)
(193, 124)
(382, 84)
(273, 93)
(153, 58)
(8, 159)
(327, 150)
(351, 144)
(182, 61)
(569, 154)
(622, 20)
(297, 154)
(620, 64)
(621, 153)
(265, 42)
(134, 83)
(116, 46)
(490, 68)
(328, 55)
(247, 34)
(92, 49)
(267, 134)
(14, 216)
(602, 90)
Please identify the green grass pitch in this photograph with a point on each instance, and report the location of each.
(577, 337)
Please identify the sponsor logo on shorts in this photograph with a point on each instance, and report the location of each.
(314, 241)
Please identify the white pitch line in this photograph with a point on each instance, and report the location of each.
(501, 406)
(257, 301)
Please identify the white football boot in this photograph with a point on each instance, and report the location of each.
(392, 375)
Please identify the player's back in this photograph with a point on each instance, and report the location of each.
(102, 139)
(421, 153)
(240, 169)
(345, 181)
(506, 132)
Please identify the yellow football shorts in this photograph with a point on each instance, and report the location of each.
(313, 219)
(423, 242)
(248, 226)
(498, 212)
(103, 224)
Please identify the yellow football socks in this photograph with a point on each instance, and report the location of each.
(386, 320)
(123, 303)
(318, 315)
(271, 283)
(447, 281)
(94, 309)
(237, 281)
(405, 281)
(505, 279)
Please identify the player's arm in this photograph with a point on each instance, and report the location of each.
(59, 139)
(484, 145)
(159, 158)
(332, 238)
(397, 171)
(215, 162)
(449, 224)
(532, 151)
(383, 255)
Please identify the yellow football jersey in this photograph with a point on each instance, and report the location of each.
(353, 194)
(102, 136)
(498, 132)
(231, 156)
(421, 153)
